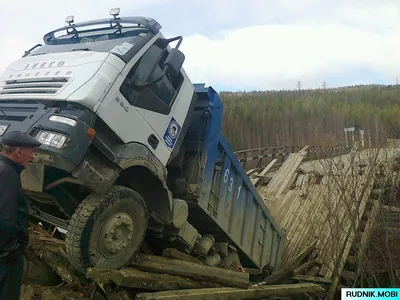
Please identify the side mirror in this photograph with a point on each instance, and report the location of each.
(174, 61)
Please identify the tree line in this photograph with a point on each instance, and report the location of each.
(280, 118)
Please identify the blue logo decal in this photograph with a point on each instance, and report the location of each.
(172, 133)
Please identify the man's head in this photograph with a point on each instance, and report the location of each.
(19, 147)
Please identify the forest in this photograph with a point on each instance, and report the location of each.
(291, 118)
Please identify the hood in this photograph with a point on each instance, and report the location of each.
(58, 76)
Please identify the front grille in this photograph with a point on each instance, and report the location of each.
(17, 111)
(37, 86)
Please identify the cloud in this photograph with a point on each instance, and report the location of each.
(253, 44)
(276, 56)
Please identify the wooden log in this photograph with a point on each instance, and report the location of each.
(288, 270)
(134, 278)
(174, 253)
(305, 267)
(312, 279)
(50, 243)
(191, 270)
(280, 275)
(259, 292)
(63, 269)
(313, 271)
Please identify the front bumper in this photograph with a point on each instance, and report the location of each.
(33, 118)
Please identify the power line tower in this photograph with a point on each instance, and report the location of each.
(299, 84)
(397, 80)
(324, 84)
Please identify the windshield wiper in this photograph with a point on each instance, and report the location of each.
(81, 49)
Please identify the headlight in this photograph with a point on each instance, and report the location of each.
(64, 120)
(51, 138)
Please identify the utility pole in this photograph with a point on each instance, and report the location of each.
(299, 84)
(324, 84)
(362, 137)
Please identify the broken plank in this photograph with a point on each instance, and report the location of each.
(258, 292)
(263, 172)
(191, 270)
(251, 171)
(134, 278)
(305, 267)
(62, 267)
(367, 234)
(288, 180)
(288, 270)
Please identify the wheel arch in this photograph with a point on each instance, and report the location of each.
(136, 167)
(155, 194)
(144, 173)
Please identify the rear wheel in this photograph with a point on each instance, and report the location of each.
(106, 230)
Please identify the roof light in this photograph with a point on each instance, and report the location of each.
(114, 12)
(69, 20)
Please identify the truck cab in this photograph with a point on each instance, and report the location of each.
(118, 69)
(102, 97)
(131, 149)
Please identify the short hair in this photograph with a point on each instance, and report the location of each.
(8, 150)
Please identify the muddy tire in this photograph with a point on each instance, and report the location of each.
(106, 230)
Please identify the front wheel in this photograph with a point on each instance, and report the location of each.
(106, 230)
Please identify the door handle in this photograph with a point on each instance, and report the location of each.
(153, 141)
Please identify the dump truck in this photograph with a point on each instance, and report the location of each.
(131, 150)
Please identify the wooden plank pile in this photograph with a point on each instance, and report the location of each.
(322, 202)
(175, 275)
(322, 206)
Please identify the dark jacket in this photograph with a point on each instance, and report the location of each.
(14, 209)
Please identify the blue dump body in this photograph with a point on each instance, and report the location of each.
(226, 204)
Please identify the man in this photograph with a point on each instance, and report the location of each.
(18, 151)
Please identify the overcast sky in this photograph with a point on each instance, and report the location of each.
(242, 45)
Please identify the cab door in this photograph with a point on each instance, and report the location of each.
(157, 112)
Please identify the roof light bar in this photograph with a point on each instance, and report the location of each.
(114, 12)
(69, 20)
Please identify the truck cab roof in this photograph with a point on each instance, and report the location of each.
(115, 36)
(113, 28)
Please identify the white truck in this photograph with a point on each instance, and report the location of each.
(131, 150)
